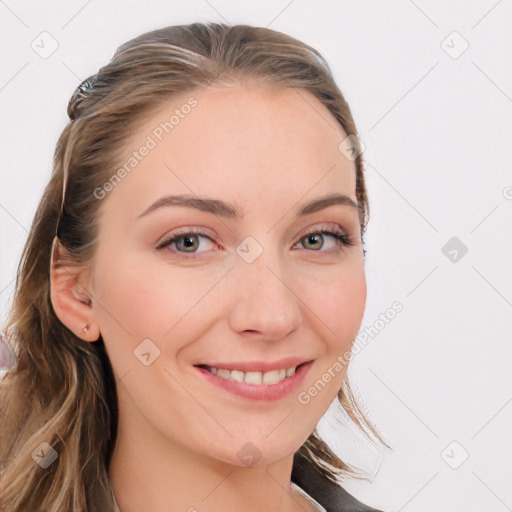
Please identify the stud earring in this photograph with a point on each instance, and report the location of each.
(85, 328)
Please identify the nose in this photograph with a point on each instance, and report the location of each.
(263, 302)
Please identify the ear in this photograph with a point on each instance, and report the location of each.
(69, 294)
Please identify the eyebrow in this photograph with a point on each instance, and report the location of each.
(233, 211)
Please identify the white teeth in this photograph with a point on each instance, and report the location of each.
(254, 378)
(290, 371)
(237, 375)
(225, 374)
(271, 377)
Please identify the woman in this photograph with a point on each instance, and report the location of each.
(191, 286)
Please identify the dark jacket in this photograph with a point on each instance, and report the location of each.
(330, 495)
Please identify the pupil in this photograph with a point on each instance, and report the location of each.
(312, 238)
(188, 242)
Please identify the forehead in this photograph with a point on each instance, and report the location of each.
(246, 142)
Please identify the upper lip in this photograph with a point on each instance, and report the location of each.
(259, 366)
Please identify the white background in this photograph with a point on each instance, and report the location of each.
(436, 123)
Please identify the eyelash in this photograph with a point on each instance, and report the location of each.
(341, 238)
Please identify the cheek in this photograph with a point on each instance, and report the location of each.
(140, 299)
(338, 308)
(335, 299)
(338, 299)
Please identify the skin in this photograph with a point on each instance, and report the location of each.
(270, 151)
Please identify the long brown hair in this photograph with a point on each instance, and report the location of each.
(63, 390)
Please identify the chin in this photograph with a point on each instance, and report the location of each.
(254, 454)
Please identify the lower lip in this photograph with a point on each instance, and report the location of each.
(267, 392)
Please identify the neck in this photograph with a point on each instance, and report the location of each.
(148, 473)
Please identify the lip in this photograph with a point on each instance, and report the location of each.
(263, 392)
(260, 366)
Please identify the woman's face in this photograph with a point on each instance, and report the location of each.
(258, 285)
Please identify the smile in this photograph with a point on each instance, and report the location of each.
(253, 378)
(270, 385)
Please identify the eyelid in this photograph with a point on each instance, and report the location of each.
(185, 230)
(341, 236)
(167, 240)
(323, 225)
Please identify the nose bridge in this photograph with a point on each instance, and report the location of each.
(263, 300)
